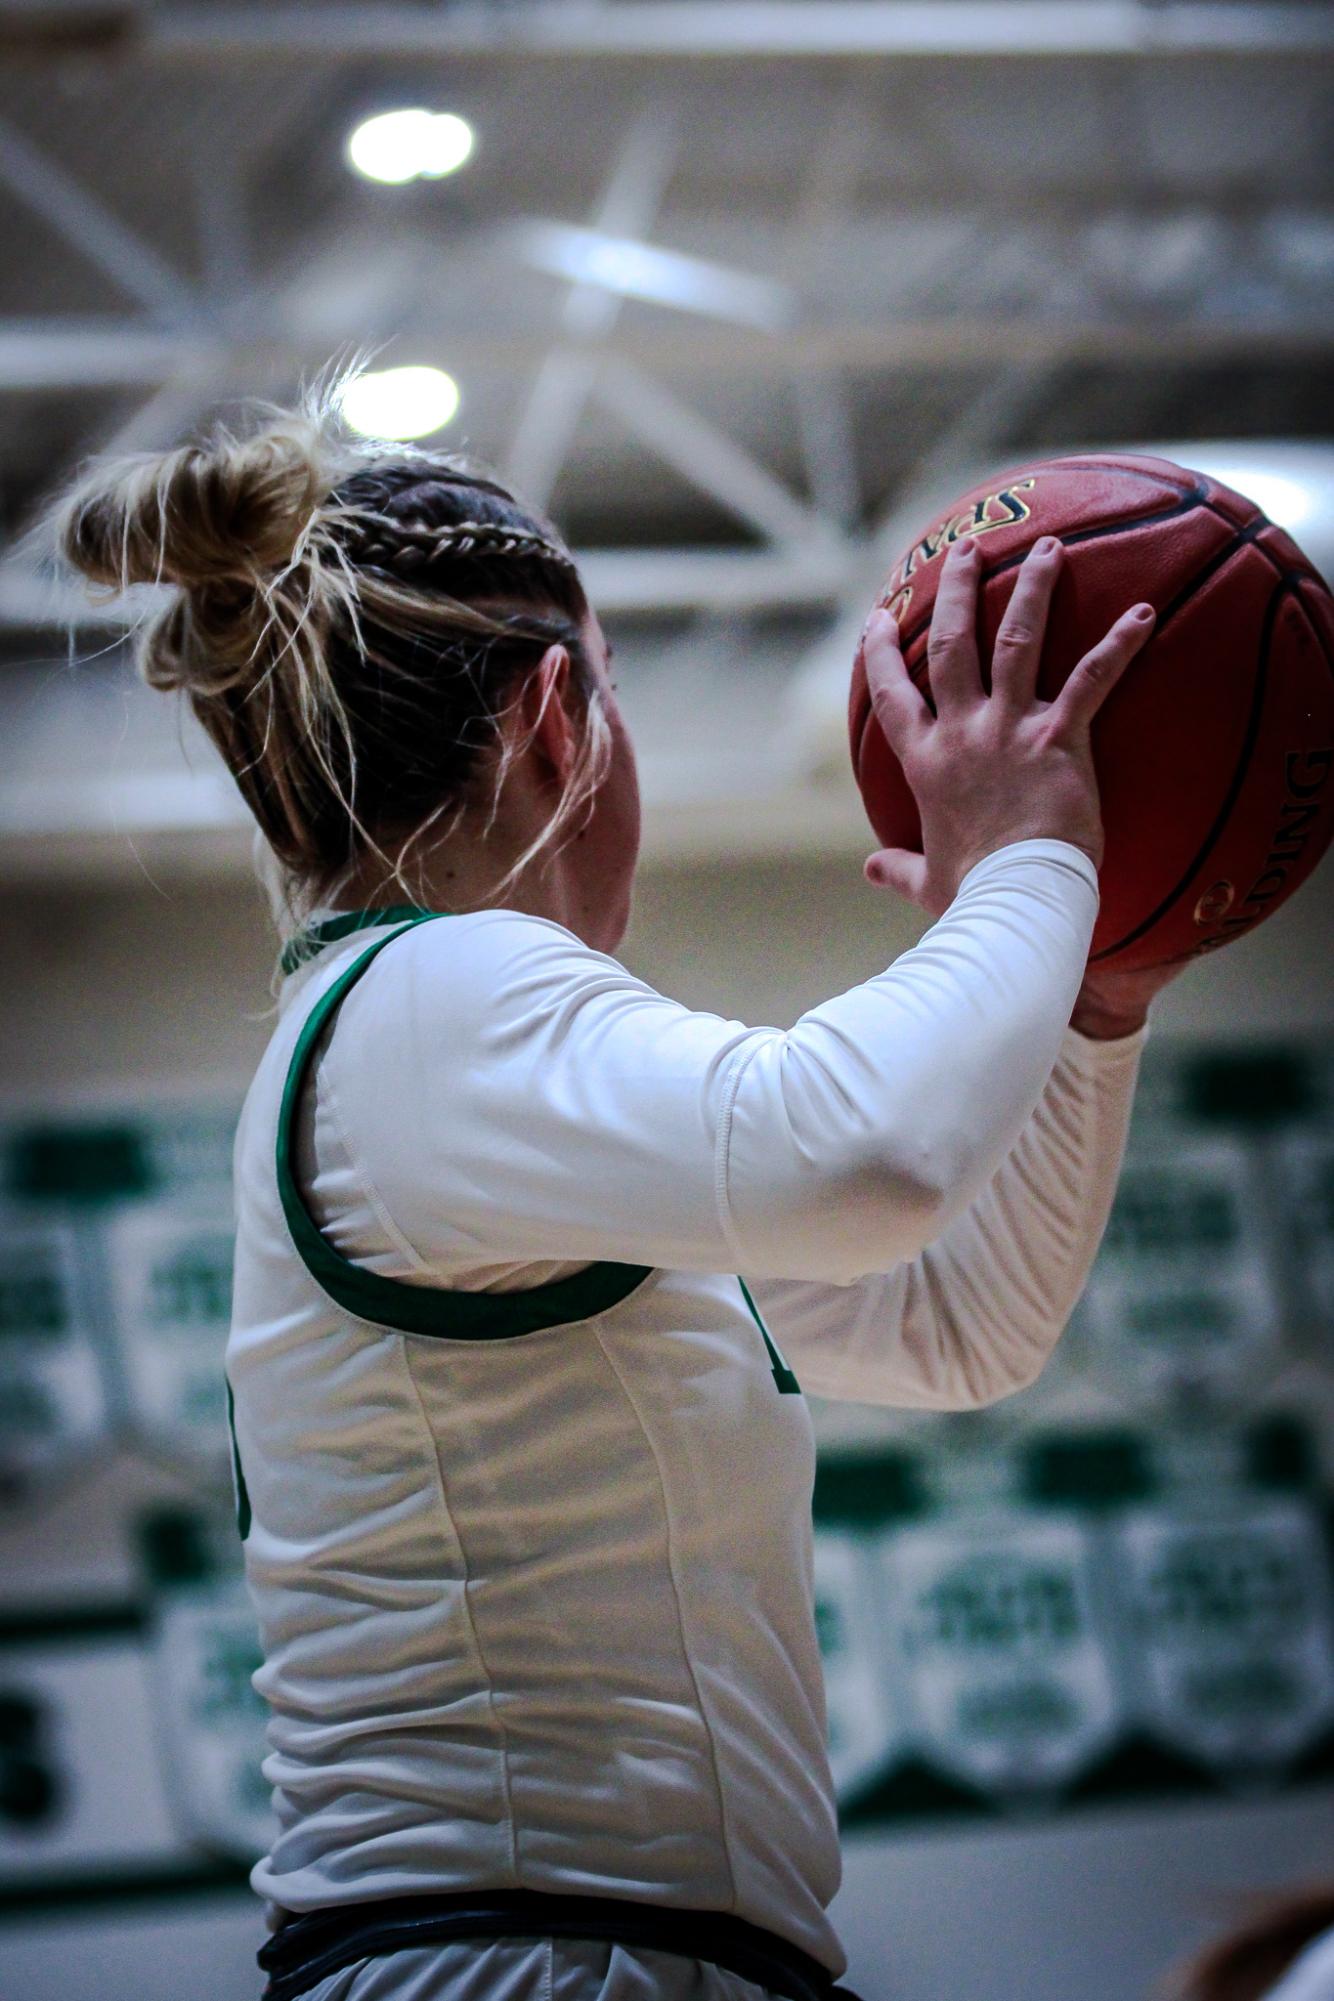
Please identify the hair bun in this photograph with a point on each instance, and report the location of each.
(228, 520)
(224, 511)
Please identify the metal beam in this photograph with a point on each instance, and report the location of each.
(638, 270)
(592, 29)
(709, 459)
(86, 351)
(589, 312)
(618, 580)
(68, 207)
(714, 580)
(92, 352)
(828, 191)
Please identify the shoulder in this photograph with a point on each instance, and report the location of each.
(488, 971)
(488, 944)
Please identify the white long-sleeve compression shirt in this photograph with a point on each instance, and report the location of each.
(914, 1178)
(536, 1595)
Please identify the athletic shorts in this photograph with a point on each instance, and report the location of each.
(533, 1970)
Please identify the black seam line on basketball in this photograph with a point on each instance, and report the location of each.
(1118, 472)
(1096, 531)
(1259, 519)
(1252, 533)
(1243, 765)
(1241, 539)
(1316, 634)
(1253, 530)
(1198, 496)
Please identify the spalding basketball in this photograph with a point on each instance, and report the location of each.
(1215, 752)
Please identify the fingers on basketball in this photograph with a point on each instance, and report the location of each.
(1018, 648)
(1100, 669)
(899, 708)
(956, 678)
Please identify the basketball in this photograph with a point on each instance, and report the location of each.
(1215, 753)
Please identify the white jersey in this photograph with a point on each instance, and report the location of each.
(531, 1263)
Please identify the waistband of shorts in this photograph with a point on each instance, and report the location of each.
(307, 1949)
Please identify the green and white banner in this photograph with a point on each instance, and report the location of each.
(1115, 1586)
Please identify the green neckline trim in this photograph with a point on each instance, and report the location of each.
(298, 951)
(389, 1302)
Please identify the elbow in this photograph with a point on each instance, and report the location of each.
(996, 1385)
(916, 1197)
(836, 1226)
(881, 1213)
(838, 1212)
(987, 1375)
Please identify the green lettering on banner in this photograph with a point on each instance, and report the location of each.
(32, 1304)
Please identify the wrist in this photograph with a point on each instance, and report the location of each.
(1111, 1003)
(1026, 836)
(1102, 1021)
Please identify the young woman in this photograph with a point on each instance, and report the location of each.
(533, 1263)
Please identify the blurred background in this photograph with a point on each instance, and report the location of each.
(740, 290)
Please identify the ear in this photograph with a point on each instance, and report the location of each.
(544, 718)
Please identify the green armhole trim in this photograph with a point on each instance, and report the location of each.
(243, 1516)
(419, 1309)
(788, 1385)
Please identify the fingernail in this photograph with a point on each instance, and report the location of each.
(1143, 612)
(1046, 545)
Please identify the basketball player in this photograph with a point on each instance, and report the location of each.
(533, 1264)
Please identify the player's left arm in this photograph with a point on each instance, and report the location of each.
(976, 1314)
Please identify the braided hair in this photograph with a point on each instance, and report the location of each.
(411, 549)
(351, 624)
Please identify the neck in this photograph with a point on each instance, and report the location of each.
(467, 871)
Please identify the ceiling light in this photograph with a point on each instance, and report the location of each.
(399, 402)
(410, 145)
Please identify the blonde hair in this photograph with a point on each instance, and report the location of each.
(351, 623)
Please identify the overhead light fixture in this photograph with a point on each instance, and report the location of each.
(410, 145)
(642, 271)
(399, 403)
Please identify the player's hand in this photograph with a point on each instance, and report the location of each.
(990, 768)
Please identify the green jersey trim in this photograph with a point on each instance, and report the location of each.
(297, 951)
(240, 1492)
(788, 1385)
(389, 1302)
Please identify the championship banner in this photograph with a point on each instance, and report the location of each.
(1114, 1586)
